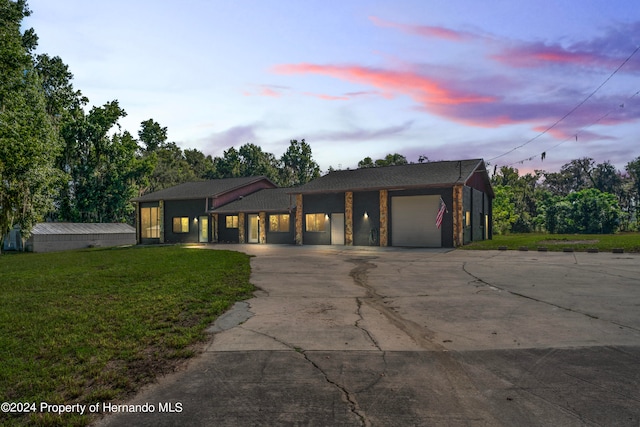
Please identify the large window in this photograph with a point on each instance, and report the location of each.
(315, 222)
(232, 221)
(181, 224)
(150, 223)
(279, 222)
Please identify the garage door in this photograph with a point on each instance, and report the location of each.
(413, 221)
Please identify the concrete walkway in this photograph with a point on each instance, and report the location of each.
(397, 337)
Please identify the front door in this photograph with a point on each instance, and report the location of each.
(337, 229)
(254, 228)
(203, 229)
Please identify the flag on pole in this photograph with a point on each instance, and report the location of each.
(441, 211)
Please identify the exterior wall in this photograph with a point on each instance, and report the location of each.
(65, 242)
(477, 215)
(183, 208)
(278, 237)
(226, 235)
(467, 213)
(366, 230)
(321, 203)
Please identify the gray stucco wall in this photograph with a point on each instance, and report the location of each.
(366, 231)
(183, 208)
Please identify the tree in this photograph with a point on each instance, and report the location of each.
(202, 165)
(298, 166)
(152, 135)
(388, 160)
(28, 144)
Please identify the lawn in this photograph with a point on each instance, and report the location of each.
(629, 242)
(94, 326)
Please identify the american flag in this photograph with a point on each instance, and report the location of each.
(441, 211)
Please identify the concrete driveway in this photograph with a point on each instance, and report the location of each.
(401, 337)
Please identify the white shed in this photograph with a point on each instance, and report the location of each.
(62, 236)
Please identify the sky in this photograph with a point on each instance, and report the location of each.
(532, 85)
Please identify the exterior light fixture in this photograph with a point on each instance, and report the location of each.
(366, 215)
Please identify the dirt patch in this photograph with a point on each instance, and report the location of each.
(568, 242)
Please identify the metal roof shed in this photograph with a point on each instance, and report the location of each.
(62, 236)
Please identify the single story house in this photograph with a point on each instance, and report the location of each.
(62, 236)
(182, 214)
(433, 204)
(397, 206)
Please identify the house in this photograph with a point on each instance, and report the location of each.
(62, 236)
(383, 206)
(266, 216)
(397, 206)
(182, 214)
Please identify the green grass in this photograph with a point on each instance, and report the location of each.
(629, 242)
(94, 326)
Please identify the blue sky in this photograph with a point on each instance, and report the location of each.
(444, 79)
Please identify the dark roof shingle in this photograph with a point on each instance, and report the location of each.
(405, 176)
(267, 200)
(200, 189)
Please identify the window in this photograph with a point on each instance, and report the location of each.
(467, 219)
(181, 224)
(232, 221)
(150, 223)
(279, 223)
(315, 222)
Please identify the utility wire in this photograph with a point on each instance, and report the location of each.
(572, 110)
(575, 136)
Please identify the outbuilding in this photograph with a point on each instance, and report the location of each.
(62, 236)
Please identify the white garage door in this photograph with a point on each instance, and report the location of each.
(413, 221)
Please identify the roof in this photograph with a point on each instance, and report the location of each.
(430, 174)
(200, 189)
(267, 200)
(80, 228)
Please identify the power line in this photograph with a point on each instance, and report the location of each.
(572, 110)
(575, 136)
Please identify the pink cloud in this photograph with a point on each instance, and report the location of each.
(423, 30)
(425, 90)
(328, 97)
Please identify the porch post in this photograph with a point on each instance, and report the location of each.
(348, 218)
(384, 221)
(241, 227)
(299, 219)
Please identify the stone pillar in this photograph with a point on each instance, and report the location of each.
(348, 218)
(263, 227)
(214, 228)
(161, 219)
(384, 221)
(299, 219)
(241, 227)
(457, 214)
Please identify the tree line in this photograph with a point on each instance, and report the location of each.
(583, 197)
(63, 161)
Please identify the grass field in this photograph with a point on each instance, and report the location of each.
(93, 326)
(629, 242)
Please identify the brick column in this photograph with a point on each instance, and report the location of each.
(458, 231)
(298, 219)
(348, 218)
(214, 228)
(384, 221)
(241, 227)
(263, 227)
